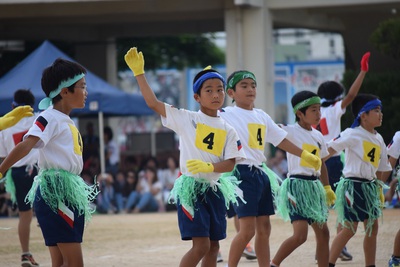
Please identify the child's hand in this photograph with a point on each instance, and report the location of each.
(14, 116)
(330, 195)
(364, 61)
(313, 160)
(135, 61)
(195, 166)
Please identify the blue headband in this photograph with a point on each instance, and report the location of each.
(367, 107)
(208, 75)
(47, 101)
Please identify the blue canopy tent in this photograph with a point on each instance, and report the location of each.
(103, 98)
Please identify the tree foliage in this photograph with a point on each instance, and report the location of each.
(386, 86)
(386, 38)
(173, 51)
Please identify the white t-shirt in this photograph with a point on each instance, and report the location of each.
(60, 145)
(112, 147)
(255, 128)
(12, 136)
(365, 152)
(145, 187)
(202, 137)
(330, 125)
(394, 146)
(312, 141)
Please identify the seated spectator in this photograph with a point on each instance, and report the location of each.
(106, 195)
(167, 178)
(148, 196)
(129, 193)
(119, 185)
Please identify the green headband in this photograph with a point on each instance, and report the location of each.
(307, 102)
(47, 101)
(240, 75)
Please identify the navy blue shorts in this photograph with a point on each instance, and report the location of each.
(335, 168)
(230, 212)
(209, 217)
(256, 192)
(359, 204)
(23, 183)
(57, 227)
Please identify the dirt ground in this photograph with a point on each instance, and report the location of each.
(153, 240)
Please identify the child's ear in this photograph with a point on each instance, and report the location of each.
(230, 92)
(64, 91)
(197, 98)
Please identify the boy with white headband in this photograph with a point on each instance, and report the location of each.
(208, 147)
(59, 195)
(258, 183)
(359, 194)
(305, 195)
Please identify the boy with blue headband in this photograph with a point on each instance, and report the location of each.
(333, 107)
(258, 184)
(60, 197)
(359, 194)
(305, 194)
(208, 147)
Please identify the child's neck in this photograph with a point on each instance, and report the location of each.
(209, 112)
(305, 125)
(368, 128)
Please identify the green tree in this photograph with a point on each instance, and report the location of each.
(181, 51)
(386, 38)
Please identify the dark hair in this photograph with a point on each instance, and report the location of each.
(201, 73)
(109, 132)
(301, 96)
(153, 170)
(359, 101)
(330, 90)
(23, 97)
(59, 71)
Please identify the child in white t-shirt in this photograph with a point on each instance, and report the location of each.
(208, 147)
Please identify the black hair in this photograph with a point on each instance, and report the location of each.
(299, 97)
(59, 71)
(359, 101)
(330, 90)
(24, 97)
(109, 132)
(201, 73)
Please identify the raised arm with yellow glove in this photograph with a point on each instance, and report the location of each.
(135, 61)
(313, 160)
(195, 166)
(14, 116)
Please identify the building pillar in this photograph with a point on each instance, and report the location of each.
(249, 45)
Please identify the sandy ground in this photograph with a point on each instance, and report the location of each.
(153, 240)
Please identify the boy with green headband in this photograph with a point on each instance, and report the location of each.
(359, 194)
(208, 147)
(258, 184)
(60, 197)
(305, 195)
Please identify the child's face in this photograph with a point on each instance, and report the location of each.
(78, 98)
(373, 118)
(245, 93)
(312, 115)
(212, 96)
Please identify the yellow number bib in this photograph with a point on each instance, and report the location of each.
(313, 150)
(371, 153)
(256, 135)
(76, 136)
(209, 139)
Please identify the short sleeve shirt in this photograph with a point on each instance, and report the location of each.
(394, 146)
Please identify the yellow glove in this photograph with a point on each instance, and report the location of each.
(135, 61)
(381, 197)
(14, 116)
(330, 195)
(195, 166)
(313, 160)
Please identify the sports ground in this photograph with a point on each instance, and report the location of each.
(152, 239)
